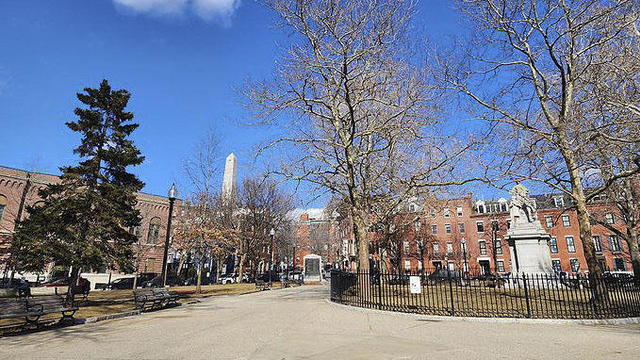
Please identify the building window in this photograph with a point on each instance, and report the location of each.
(459, 211)
(508, 224)
(501, 265)
(557, 267)
(412, 208)
(559, 201)
(3, 204)
(446, 212)
(449, 249)
(433, 213)
(407, 265)
(461, 227)
(480, 208)
(480, 226)
(451, 266)
(549, 220)
(619, 264)
(417, 226)
(447, 228)
(571, 247)
(498, 247)
(483, 247)
(434, 229)
(614, 244)
(154, 231)
(436, 248)
(503, 206)
(575, 265)
(566, 221)
(406, 248)
(494, 226)
(553, 245)
(609, 218)
(597, 243)
(420, 265)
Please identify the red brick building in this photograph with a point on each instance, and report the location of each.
(467, 234)
(19, 189)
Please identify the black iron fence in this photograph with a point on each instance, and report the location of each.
(526, 296)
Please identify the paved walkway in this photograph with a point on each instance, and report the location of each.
(299, 323)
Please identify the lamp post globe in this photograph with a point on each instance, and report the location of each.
(172, 195)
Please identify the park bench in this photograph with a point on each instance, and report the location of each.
(17, 307)
(262, 285)
(51, 304)
(148, 299)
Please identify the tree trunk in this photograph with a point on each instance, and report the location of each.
(632, 243)
(362, 241)
(243, 258)
(580, 201)
(73, 279)
(199, 278)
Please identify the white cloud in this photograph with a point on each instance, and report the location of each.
(154, 6)
(216, 10)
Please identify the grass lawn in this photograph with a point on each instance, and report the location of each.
(109, 302)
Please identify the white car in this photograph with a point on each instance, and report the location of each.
(232, 278)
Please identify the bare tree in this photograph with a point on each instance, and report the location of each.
(261, 207)
(356, 112)
(201, 168)
(199, 232)
(530, 73)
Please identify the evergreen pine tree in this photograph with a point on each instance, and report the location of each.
(84, 219)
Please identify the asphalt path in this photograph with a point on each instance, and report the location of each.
(299, 323)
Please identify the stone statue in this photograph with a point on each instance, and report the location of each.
(528, 240)
(522, 207)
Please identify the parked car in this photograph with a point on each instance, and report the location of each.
(21, 285)
(232, 278)
(56, 282)
(172, 280)
(443, 275)
(126, 283)
(265, 277)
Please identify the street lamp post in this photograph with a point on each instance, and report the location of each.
(272, 232)
(464, 254)
(173, 193)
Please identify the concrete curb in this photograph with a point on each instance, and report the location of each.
(108, 317)
(620, 321)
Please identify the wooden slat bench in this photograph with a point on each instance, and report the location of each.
(262, 285)
(148, 299)
(51, 304)
(17, 307)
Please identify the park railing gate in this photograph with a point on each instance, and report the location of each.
(451, 293)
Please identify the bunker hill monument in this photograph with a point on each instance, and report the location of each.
(528, 240)
(229, 179)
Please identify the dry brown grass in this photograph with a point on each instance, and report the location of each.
(109, 302)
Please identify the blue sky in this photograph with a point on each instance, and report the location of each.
(180, 59)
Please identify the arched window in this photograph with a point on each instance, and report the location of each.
(3, 204)
(154, 231)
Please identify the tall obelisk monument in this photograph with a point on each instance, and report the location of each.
(229, 179)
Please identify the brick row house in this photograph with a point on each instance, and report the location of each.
(19, 189)
(469, 235)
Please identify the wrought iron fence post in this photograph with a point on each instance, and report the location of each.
(526, 295)
(451, 291)
(593, 284)
(379, 289)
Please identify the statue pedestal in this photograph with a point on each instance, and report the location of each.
(529, 248)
